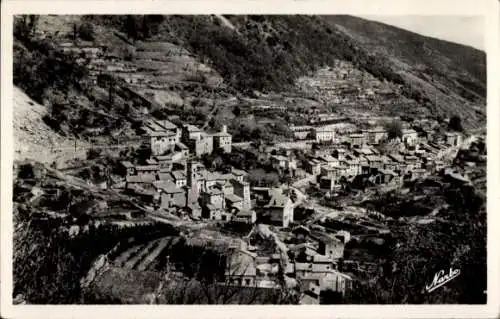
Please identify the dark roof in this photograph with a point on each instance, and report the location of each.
(233, 198)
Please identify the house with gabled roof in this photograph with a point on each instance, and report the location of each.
(279, 209)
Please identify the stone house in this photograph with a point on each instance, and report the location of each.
(245, 216)
(358, 139)
(222, 140)
(279, 209)
(453, 138)
(328, 245)
(313, 166)
(128, 168)
(241, 269)
(409, 137)
(179, 178)
(162, 142)
(323, 134)
(170, 194)
(233, 201)
(376, 135)
(374, 161)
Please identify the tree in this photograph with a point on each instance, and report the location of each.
(236, 111)
(86, 31)
(93, 153)
(25, 25)
(394, 129)
(456, 123)
(26, 171)
(131, 27)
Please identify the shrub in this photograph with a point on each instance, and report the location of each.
(86, 31)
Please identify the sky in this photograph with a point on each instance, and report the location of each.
(468, 30)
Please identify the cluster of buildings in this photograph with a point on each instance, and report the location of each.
(164, 137)
(343, 84)
(309, 263)
(329, 134)
(174, 178)
(200, 142)
(412, 158)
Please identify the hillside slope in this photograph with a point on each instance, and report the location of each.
(33, 139)
(270, 52)
(449, 74)
(185, 65)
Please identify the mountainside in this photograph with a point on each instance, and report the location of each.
(184, 65)
(447, 73)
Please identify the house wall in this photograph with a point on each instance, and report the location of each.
(181, 182)
(242, 190)
(223, 142)
(312, 168)
(166, 166)
(323, 136)
(162, 144)
(332, 249)
(147, 173)
(175, 199)
(204, 146)
(410, 139)
(281, 216)
(238, 205)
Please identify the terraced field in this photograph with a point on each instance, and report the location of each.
(147, 256)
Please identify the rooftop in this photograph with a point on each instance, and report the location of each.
(147, 167)
(322, 236)
(163, 158)
(327, 158)
(192, 128)
(278, 200)
(373, 158)
(233, 198)
(324, 129)
(245, 213)
(161, 133)
(168, 187)
(181, 146)
(280, 157)
(221, 134)
(141, 179)
(179, 175)
(168, 125)
(127, 164)
(396, 157)
(238, 172)
(408, 131)
(377, 130)
(214, 191)
(165, 177)
(358, 135)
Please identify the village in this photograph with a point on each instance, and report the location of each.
(174, 181)
(289, 211)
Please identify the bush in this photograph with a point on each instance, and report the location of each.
(394, 129)
(456, 123)
(86, 31)
(93, 153)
